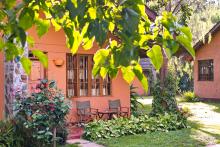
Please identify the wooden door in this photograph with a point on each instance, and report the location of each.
(36, 75)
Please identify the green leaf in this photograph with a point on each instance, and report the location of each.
(41, 56)
(57, 27)
(185, 42)
(26, 63)
(88, 43)
(92, 13)
(128, 74)
(26, 18)
(103, 72)
(113, 72)
(2, 44)
(95, 70)
(111, 26)
(141, 77)
(99, 30)
(42, 27)
(187, 32)
(69, 36)
(22, 36)
(77, 41)
(156, 56)
(100, 56)
(30, 41)
(171, 47)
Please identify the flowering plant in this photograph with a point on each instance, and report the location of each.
(43, 112)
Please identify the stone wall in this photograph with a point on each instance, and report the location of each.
(15, 83)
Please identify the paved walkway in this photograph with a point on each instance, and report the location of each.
(83, 143)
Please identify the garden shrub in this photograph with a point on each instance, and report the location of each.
(8, 137)
(134, 101)
(39, 115)
(185, 111)
(164, 96)
(190, 96)
(134, 125)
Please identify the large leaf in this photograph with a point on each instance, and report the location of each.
(57, 27)
(26, 63)
(77, 41)
(88, 43)
(42, 27)
(99, 29)
(141, 77)
(26, 18)
(41, 56)
(95, 70)
(187, 32)
(130, 22)
(156, 56)
(128, 74)
(92, 13)
(103, 72)
(69, 36)
(185, 42)
(100, 56)
(22, 36)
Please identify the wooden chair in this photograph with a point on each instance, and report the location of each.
(85, 112)
(115, 105)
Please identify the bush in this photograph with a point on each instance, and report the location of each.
(185, 111)
(134, 101)
(40, 114)
(8, 137)
(190, 97)
(135, 125)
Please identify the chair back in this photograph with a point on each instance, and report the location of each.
(83, 107)
(114, 104)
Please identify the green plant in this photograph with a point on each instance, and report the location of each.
(42, 115)
(134, 125)
(6, 134)
(134, 101)
(164, 96)
(190, 96)
(185, 111)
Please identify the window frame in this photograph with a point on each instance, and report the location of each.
(89, 72)
(207, 62)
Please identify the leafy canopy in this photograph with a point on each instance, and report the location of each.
(86, 21)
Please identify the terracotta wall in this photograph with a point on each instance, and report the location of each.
(54, 44)
(208, 89)
(140, 90)
(1, 86)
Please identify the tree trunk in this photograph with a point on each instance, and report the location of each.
(54, 137)
(163, 70)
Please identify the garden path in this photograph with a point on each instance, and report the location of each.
(83, 143)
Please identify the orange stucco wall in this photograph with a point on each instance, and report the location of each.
(54, 44)
(1, 86)
(139, 88)
(208, 89)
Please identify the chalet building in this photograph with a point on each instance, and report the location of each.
(207, 65)
(73, 75)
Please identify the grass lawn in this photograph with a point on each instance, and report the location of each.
(205, 129)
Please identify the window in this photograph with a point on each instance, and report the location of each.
(81, 82)
(206, 70)
(38, 72)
